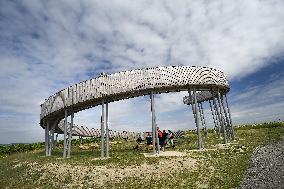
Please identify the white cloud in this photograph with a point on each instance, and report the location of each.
(46, 46)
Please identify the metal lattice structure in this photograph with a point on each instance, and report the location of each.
(123, 85)
(83, 131)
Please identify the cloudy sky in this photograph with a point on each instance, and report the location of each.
(46, 46)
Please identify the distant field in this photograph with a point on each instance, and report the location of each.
(218, 166)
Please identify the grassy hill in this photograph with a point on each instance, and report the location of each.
(218, 166)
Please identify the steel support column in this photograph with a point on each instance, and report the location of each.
(229, 112)
(52, 137)
(50, 140)
(203, 117)
(218, 115)
(215, 122)
(47, 138)
(154, 129)
(191, 100)
(157, 136)
(221, 117)
(102, 129)
(65, 134)
(70, 135)
(200, 114)
(107, 132)
(200, 144)
(227, 119)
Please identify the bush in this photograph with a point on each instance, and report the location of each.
(261, 125)
(9, 149)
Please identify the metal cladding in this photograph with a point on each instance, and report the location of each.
(128, 84)
(86, 132)
(200, 97)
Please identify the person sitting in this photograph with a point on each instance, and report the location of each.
(149, 139)
(139, 140)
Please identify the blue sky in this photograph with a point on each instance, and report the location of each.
(46, 46)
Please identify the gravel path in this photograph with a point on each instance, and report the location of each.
(267, 168)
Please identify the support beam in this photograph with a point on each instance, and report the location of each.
(229, 112)
(70, 135)
(218, 115)
(200, 115)
(192, 104)
(213, 115)
(65, 134)
(50, 140)
(47, 138)
(52, 137)
(221, 118)
(102, 129)
(204, 124)
(154, 129)
(107, 132)
(200, 143)
(157, 136)
(227, 118)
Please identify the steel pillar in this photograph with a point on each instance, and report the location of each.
(47, 138)
(215, 122)
(200, 114)
(65, 134)
(50, 140)
(107, 132)
(52, 137)
(221, 117)
(204, 124)
(228, 129)
(200, 143)
(102, 129)
(157, 136)
(70, 135)
(217, 117)
(231, 124)
(191, 100)
(154, 129)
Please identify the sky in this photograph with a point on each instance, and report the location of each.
(46, 46)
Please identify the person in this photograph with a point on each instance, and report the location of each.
(149, 139)
(160, 136)
(164, 140)
(171, 138)
(139, 140)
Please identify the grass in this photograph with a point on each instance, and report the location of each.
(221, 168)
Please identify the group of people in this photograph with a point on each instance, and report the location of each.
(165, 138)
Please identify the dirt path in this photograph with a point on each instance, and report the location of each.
(79, 175)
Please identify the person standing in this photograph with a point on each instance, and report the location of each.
(160, 136)
(171, 138)
(164, 140)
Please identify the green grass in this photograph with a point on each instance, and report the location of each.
(222, 168)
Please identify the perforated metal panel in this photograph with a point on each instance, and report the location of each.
(128, 84)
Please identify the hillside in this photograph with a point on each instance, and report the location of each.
(218, 166)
